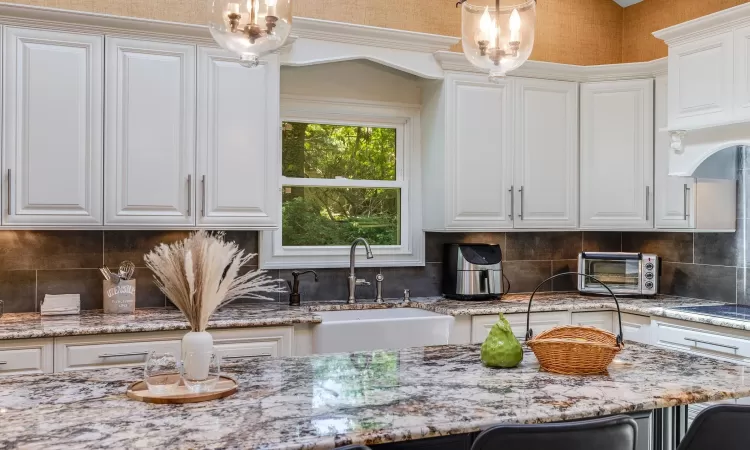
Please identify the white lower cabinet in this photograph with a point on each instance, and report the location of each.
(253, 343)
(107, 351)
(481, 325)
(132, 349)
(714, 342)
(598, 319)
(634, 328)
(26, 356)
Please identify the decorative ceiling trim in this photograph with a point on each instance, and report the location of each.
(564, 72)
(711, 24)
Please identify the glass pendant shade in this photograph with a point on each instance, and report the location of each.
(498, 38)
(250, 28)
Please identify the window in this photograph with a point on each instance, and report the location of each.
(348, 170)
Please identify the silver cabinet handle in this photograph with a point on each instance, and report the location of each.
(203, 201)
(648, 199)
(259, 355)
(511, 203)
(3, 362)
(686, 194)
(520, 214)
(731, 347)
(190, 193)
(122, 355)
(10, 186)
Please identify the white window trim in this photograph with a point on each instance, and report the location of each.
(406, 119)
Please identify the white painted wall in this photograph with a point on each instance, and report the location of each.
(355, 80)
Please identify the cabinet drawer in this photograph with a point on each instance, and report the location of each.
(481, 325)
(253, 343)
(634, 327)
(598, 319)
(103, 352)
(26, 356)
(701, 341)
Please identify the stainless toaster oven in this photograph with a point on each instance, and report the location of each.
(624, 273)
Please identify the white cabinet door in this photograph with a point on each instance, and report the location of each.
(598, 319)
(150, 133)
(701, 76)
(238, 130)
(538, 322)
(52, 129)
(478, 153)
(741, 73)
(674, 197)
(617, 154)
(634, 327)
(546, 154)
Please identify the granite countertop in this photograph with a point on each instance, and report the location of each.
(32, 325)
(323, 401)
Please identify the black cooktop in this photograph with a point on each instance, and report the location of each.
(739, 312)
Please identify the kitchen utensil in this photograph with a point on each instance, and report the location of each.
(574, 350)
(113, 277)
(106, 273)
(127, 269)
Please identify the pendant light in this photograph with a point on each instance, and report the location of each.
(250, 29)
(498, 39)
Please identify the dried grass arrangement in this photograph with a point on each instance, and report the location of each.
(201, 274)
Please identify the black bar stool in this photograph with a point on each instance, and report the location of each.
(722, 427)
(611, 433)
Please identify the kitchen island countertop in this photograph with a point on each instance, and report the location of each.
(323, 401)
(246, 315)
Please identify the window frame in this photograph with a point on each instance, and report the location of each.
(406, 120)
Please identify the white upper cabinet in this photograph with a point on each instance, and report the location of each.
(478, 157)
(617, 154)
(546, 154)
(742, 73)
(150, 133)
(674, 197)
(700, 82)
(238, 126)
(52, 128)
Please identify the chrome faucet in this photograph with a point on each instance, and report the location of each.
(353, 281)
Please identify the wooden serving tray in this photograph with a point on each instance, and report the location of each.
(225, 387)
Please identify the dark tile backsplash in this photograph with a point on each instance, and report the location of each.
(702, 265)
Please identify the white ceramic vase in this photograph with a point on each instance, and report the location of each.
(201, 345)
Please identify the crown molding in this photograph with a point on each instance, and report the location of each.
(711, 24)
(347, 33)
(454, 61)
(304, 28)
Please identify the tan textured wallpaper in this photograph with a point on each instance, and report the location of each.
(568, 31)
(642, 19)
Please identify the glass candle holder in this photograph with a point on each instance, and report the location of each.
(162, 373)
(202, 371)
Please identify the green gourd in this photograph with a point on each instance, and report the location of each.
(501, 348)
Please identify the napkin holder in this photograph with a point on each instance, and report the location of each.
(60, 305)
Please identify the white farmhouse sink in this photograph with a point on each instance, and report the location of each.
(375, 329)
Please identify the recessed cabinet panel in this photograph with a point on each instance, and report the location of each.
(150, 143)
(742, 73)
(617, 154)
(238, 126)
(478, 153)
(700, 82)
(52, 129)
(674, 197)
(546, 154)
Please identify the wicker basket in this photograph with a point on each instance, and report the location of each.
(574, 350)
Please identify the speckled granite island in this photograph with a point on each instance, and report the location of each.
(323, 401)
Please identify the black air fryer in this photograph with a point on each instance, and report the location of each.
(472, 272)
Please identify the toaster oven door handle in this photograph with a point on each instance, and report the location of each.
(611, 256)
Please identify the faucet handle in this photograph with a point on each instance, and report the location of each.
(362, 282)
(407, 297)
